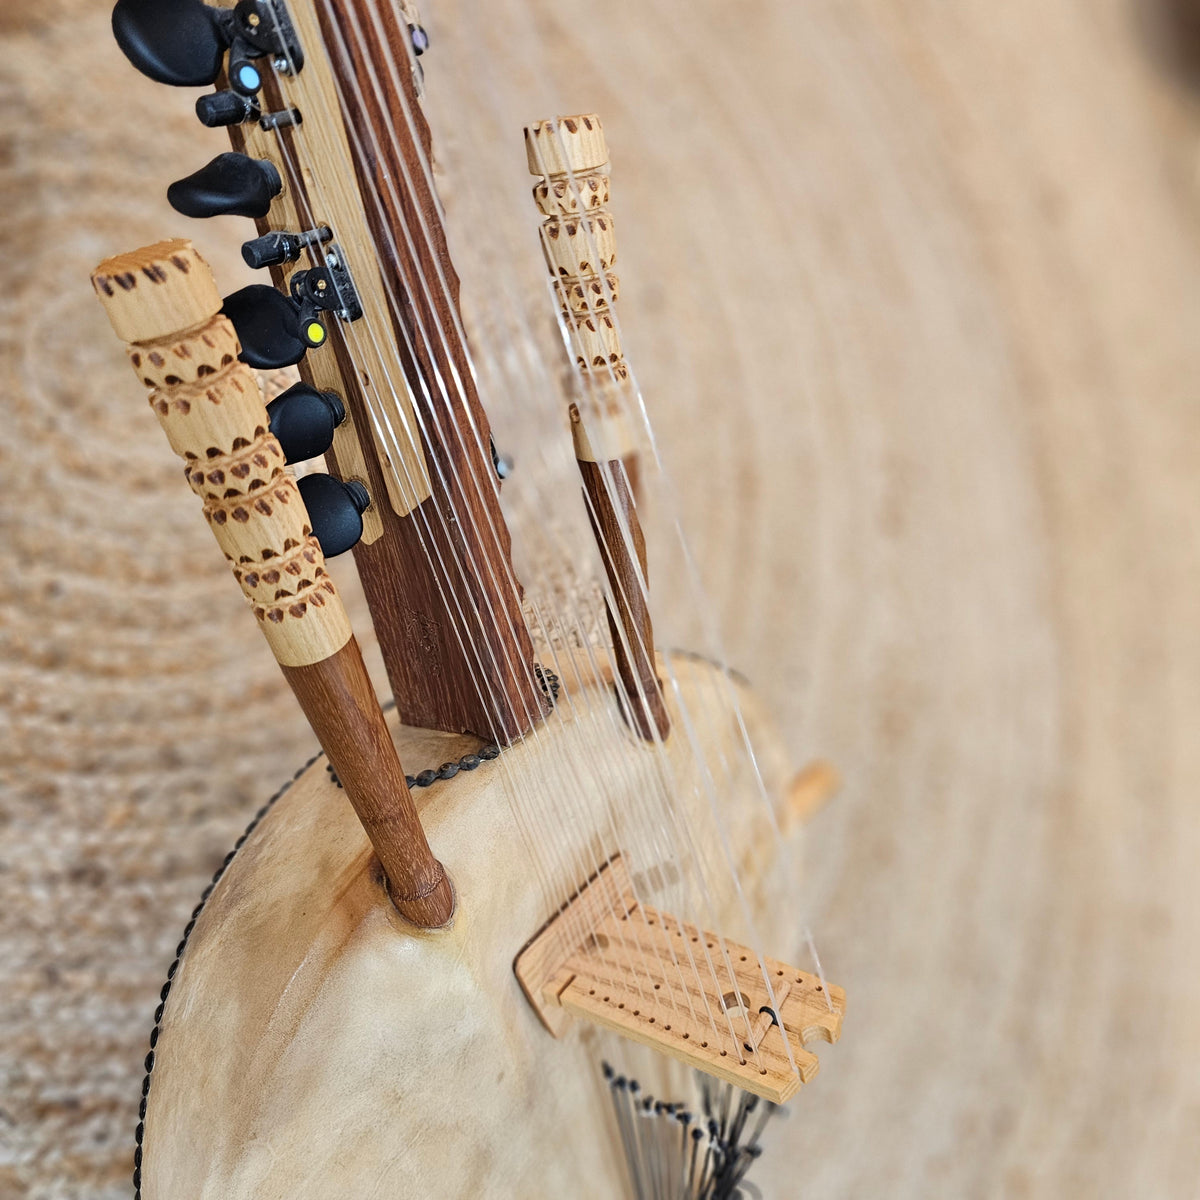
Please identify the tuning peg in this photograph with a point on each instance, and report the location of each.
(232, 184)
(233, 108)
(303, 420)
(279, 247)
(183, 42)
(180, 42)
(273, 330)
(335, 509)
(226, 108)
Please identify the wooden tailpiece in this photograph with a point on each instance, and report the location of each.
(678, 989)
(162, 301)
(571, 157)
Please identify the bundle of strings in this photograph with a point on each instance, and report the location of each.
(666, 807)
(676, 1152)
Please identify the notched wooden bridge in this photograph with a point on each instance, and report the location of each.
(679, 989)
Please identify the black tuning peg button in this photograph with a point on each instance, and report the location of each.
(226, 108)
(335, 510)
(180, 42)
(232, 184)
(279, 247)
(303, 419)
(270, 250)
(183, 42)
(268, 326)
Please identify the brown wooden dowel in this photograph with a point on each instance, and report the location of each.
(618, 531)
(339, 700)
(162, 301)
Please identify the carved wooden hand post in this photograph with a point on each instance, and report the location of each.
(571, 156)
(162, 301)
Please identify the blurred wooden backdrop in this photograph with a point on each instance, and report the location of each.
(962, 428)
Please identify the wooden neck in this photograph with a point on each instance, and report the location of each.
(436, 567)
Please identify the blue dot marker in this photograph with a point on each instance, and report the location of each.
(249, 79)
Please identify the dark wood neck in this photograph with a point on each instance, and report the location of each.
(439, 581)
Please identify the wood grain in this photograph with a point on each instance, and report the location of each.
(436, 562)
(340, 702)
(450, 620)
(360, 357)
(618, 534)
(650, 977)
(605, 988)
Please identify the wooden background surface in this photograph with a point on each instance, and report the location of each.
(955, 399)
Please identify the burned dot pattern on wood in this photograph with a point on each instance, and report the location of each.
(556, 197)
(579, 238)
(579, 246)
(176, 362)
(212, 411)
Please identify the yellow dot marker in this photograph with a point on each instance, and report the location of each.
(315, 333)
